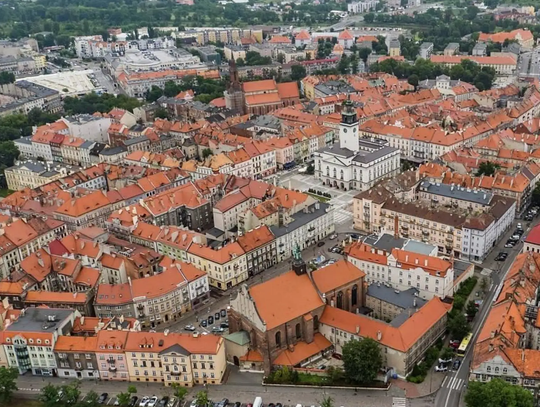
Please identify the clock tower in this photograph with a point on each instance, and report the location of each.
(348, 128)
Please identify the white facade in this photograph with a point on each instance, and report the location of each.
(361, 6)
(89, 127)
(478, 241)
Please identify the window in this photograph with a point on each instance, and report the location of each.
(278, 339)
(488, 369)
(298, 333)
(354, 295)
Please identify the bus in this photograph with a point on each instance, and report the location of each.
(464, 345)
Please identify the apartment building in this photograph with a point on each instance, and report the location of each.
(111, 356)
(503, 65)
(226, 265)
(259, 245)
(29, 340)
(175, 358)
(387, 303)
(403, 269)
(86, 210)
(76, 357)
(33, 174)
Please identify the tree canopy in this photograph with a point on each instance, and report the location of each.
(92, 102)
(8, 383)
(362, 360)
(498, 393)
(487, 168)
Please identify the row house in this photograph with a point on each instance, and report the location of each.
(263, 158)
(259, 245)
(83, 211)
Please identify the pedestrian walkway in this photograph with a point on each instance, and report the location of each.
(453, 383)
(342, 216)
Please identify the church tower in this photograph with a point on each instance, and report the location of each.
(348, 128)
(234, 95)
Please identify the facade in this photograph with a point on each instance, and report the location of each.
(259, 245)
(76, 357)
(357, 163)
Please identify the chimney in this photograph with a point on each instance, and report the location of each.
(379, 335)
(490, 347)
(357, 329)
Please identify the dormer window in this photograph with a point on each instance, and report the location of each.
(47, 341)
(39, 341)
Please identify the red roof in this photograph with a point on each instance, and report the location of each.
(345, 35)
(534, 236)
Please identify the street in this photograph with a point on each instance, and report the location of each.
(454, 384)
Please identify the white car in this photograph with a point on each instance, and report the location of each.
(152, 402)
(144, 401)
(333, 236)
(441, 368)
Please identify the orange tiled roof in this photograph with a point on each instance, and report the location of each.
(336, 275)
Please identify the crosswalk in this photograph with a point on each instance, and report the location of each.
(453, 383)
(342, 216)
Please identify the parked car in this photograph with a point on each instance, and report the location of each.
(223, 313)
(217, 330)
(444, 361)
(144, 401)
(172, 402)
(519, 226)
(224, 325)
(333, 236)
(456, 364)
(210, 320)
(320, 244)
(510, 243)
(204, 323)
(515, 237)
(518, 232)
(441, 368)
(189, 327)
(222, 403)
(501, 256)
(152, 402)
(216, 316)
(163, 402)
(103, 398)
(454, 343)
(133, 401)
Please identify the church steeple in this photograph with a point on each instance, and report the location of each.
(234, 81)
(348, 112)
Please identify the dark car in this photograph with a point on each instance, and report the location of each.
(103, 398)
(163, 402)
(222, 403)
(224, 325)
(237, 404)
(501, 256)
(210, 320)
(216, 316)
(456, 364)
(203, 323)
(223, 313)
(320, 244)
(133, 401)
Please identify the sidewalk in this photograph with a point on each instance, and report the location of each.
(430, 385)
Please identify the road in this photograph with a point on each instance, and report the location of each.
(453, 386)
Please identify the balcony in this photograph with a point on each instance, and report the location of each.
(425, 232)
(449, 239)
(405, 227)
(140, 306)
(112, 369)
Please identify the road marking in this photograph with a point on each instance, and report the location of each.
(457, 384)
(444, 381)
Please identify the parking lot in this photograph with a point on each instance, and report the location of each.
(216, 323)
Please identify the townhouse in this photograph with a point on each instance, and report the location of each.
(175, 358)
(76, 357)
(259, 245)
(86, 210)
(111, 356)
(226, 265)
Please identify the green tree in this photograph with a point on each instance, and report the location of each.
(90, 400)
(281, 58)
(8, 154)
(413, 80)
(483, 284)
(498, 393)
(154, 93)
(201, 399)
(161, 113)
(6, 77)
(125, 398)
(207, 152)
(471, 309)
(362, 360)
(344, 64)
(50, 396)
(170, 90)
(8, 378)
(458, 326)
(179, 392)
(298, 72)
(487, 168)
(369, 18)
(364, 53)
(447, 353)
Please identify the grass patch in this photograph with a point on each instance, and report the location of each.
(5, 192)
(318, 197)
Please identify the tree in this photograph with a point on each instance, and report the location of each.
(6, 77)
(161, 113)
(281, 58)
(125, 398)
(8, 153)
(498, 393)
(8, 378)
(201, 399)
(362, 360)
(154, 93)
(179, 392)
(298, 72)
(369, 18)
(447, 353)
(458, 326)
(483, 284)
(413, 80)
(471, 309)
(207, 152)
(90, 400)
(363, 53)
(49, 396)
(487, 168)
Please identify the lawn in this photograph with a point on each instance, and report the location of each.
(323, 199)
(5, 192)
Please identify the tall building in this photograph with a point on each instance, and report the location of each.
(357, 163)
(234, 96)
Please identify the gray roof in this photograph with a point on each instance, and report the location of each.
(460, 267)
(456, 192)
(419, 247)
(113, 150)
(402, 299)
(176, 348)
(452, 45)
(24, 140)
(135, 140)
(37, 320)
(369, 156)
(300, 219)
(87, 144)
(240, 338)
(385, 242)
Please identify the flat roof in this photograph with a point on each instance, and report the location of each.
(457, 192)
(402, 299)
(76, 82)
(37, 320)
